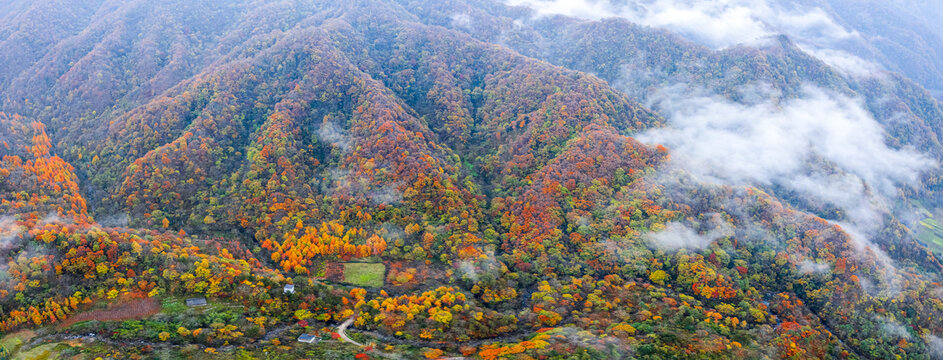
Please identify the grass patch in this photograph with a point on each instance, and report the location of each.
(931, 233)
(47, 351)
(173, 305)
(12, 342)
(364, 274)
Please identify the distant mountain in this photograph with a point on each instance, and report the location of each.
(901, 36)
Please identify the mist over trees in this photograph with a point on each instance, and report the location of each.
(479, 178)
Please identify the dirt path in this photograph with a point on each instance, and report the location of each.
(342, 331)
(134, 309)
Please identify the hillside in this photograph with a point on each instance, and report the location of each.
(453, 178)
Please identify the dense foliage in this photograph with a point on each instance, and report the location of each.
(163, 150)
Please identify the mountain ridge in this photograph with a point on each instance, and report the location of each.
(498, 181)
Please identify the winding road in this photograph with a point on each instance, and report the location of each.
(342, 331)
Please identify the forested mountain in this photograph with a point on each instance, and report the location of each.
(457, 178)
(903, 36)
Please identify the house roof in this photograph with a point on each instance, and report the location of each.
(307, 338)
(196, 301)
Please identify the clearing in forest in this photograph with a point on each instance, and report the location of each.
(133, 309)
(364, 274)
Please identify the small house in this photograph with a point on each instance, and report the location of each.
(289, 289)
(200, 301)
(308, 339)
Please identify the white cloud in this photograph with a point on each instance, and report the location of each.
(472, 268)
(346, 183)
(678, 235)
(386, 194)
(334, 135)
(9, 231)
(775, 142)
(52, 218)
(724, 23)
(824, 147)
(890, 279)
(115, 221)
(462, 21)
(587, 9)
(846, 191)
(935, 344)
(717, 23)
(893, 328)
(844, 62)
(811, 267)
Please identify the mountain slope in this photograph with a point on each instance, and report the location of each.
(491, 164)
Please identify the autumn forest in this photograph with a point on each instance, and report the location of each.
(453, 179)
